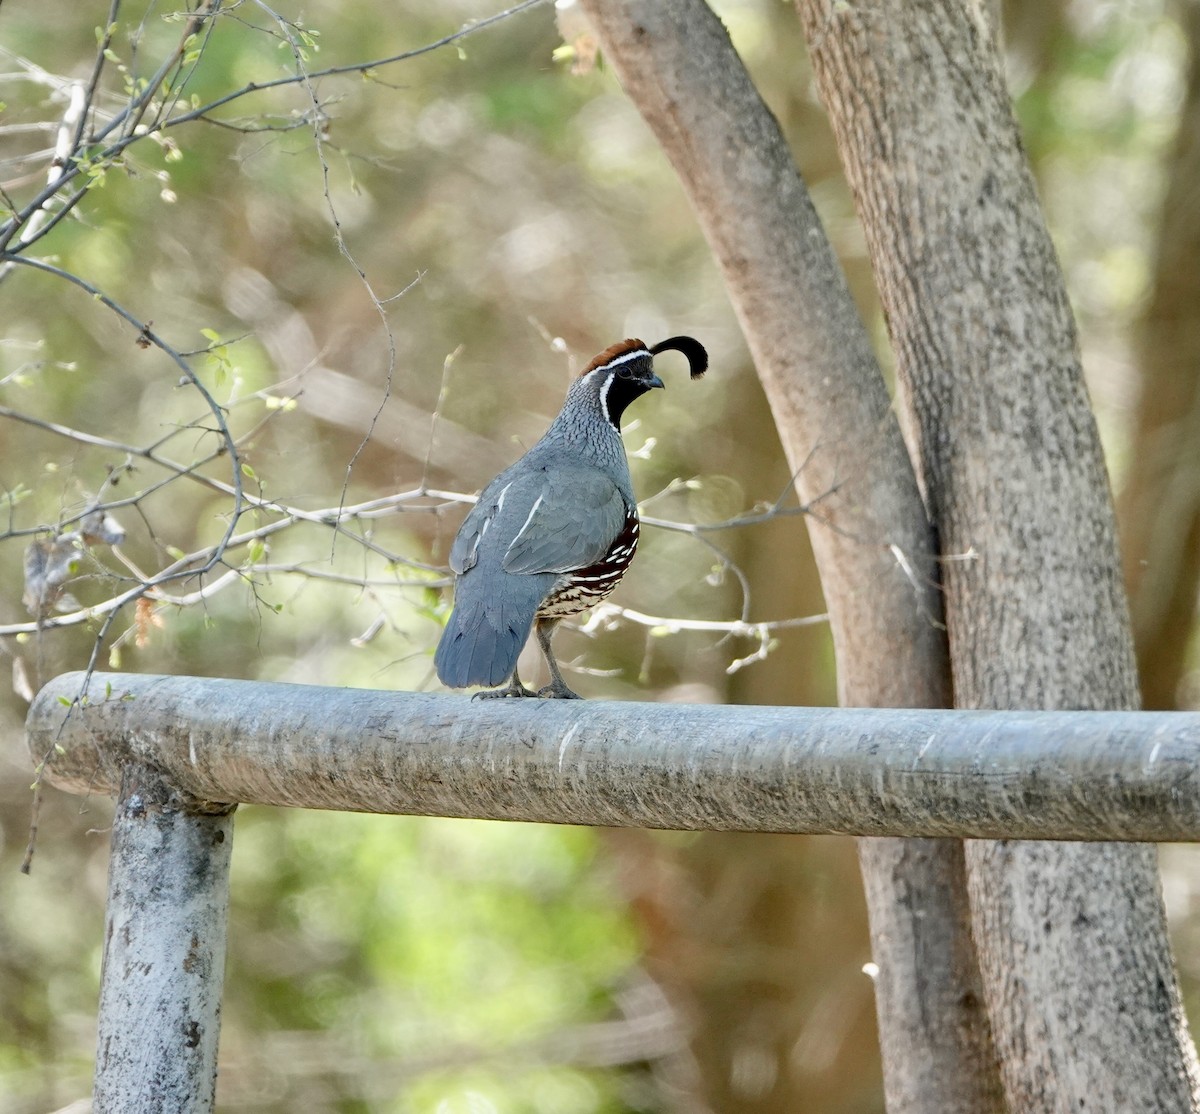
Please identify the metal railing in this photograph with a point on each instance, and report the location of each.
(179, 753)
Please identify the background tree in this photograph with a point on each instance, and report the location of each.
(1160, 504)
(1013, 475)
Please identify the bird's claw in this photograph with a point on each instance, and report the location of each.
(557, 692)
(510, 690)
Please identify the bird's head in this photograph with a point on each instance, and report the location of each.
(625, 371)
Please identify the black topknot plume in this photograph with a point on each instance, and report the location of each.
(697, 357)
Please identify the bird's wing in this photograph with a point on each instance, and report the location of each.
(570, 523)
(465, 550)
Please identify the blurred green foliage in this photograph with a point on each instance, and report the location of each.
(1098, 89)
(384, 934)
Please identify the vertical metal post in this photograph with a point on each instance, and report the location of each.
(164, 951)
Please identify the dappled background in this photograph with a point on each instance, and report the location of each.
(387, 279)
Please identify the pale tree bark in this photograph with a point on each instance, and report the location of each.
(1072, 942)
(1160, 506)
(870, 534)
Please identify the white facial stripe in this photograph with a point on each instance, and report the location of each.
(604, 400)
(624, 358)
(604, 369)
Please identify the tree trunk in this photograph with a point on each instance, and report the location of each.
(869, 531)
(721, 917)
(1072, 941)
(1160, 506)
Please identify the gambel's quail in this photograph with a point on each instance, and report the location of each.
(553, 534)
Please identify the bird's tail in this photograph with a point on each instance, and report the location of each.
(485, 636)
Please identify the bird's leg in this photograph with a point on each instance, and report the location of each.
(557, 688)
(513, 688)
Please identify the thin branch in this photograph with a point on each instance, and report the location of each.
(64, 147)
(605, 614)
(435, 417)
(144, 331)
(97, 69)
(363, 68)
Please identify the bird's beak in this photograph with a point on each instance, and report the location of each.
(654, 381)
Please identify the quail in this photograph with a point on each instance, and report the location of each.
(554, 533)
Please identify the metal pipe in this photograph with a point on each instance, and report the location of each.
(861, 771)
(164, 951)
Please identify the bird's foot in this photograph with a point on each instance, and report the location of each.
(558, 691)
(512, 689)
